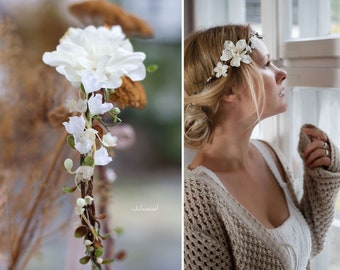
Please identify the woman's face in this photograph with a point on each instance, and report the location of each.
(273, 78)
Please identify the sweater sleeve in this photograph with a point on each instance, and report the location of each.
(205, 243)
(321, 187)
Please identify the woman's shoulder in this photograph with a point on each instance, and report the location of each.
(200, 189)
(200, 180)
(202, 203)
(196, 181)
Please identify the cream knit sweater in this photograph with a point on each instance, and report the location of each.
(218, 237)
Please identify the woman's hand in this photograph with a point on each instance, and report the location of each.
(317, 153)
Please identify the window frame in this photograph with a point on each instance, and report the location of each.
(306, 64)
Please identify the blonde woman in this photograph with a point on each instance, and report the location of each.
(240, 208)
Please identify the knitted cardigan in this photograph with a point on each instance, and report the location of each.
(218, 237)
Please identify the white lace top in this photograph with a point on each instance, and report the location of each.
(294, 234)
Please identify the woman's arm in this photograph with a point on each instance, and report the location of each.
(202, 251)
(205, 245)
(321, 182)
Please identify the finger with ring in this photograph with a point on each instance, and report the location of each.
(325, 145)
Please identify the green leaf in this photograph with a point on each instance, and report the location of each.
(116, 120)
(89, 249)
(105, 236)
(98, 117)
(95, 265)
(69, 189)
(107, 261)
(85, 260)
(152, 68)
(89, 161)
(82, 88)
(80, 232)
(107, 94)
(70, 141)
(98, 252)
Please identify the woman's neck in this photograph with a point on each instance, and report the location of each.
(228, 150)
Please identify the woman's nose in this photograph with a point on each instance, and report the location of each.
(281, 75)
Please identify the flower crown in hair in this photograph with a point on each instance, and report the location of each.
(235, 54)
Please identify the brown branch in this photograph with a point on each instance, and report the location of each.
(109, 242)
(19, 248)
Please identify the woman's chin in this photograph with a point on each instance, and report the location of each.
(280, 110)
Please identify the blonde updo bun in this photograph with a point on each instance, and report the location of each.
(202, 51)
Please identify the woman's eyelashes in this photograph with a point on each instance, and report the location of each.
(267, 64)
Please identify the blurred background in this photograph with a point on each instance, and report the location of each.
(146, 195)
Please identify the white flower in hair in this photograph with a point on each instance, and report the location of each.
(236, 53)
(254, 42)
(221, 70)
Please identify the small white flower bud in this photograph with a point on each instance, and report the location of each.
(79, 210)
(88, 200)
(81, 202)
(109, 140)
(116, 110)
(68, 164)
(87, 242)
(100, 260)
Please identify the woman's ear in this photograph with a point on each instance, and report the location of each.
(230, 97)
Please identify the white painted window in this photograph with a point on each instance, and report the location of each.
(303, 37)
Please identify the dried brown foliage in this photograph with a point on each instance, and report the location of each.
(105, 13)
(30, 92)
(129, 94)
(31, 166)
(33, 200)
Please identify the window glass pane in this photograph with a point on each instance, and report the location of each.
(295, 29)
(315, 18)
(253, 14)
(318, 106)
(335, 15)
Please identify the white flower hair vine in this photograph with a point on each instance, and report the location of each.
(235, 54)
